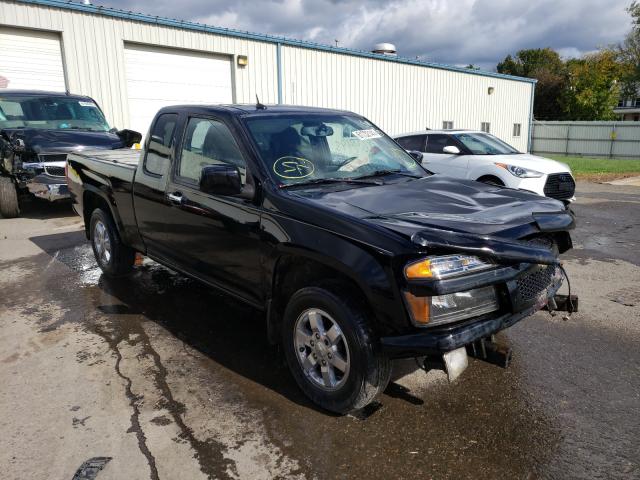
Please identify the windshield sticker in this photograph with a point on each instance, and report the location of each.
(87, 104)
(366, 134)
(293, 167)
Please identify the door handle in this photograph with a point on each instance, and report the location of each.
(175, 198)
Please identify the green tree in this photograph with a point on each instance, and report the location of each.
(629, 55)
(545, 65)
(593, 86)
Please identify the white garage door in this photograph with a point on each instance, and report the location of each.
(157, 77)
(31, 59)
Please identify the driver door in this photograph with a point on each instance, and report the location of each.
(437, 161)
(214, 237)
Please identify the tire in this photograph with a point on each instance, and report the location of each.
(9, 207)
(114, 258)
(352, 348)
(491, 180)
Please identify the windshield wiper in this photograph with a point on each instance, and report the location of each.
(382, 173)
(318, 181)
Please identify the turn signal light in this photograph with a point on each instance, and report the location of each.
(421, 269)
(420, 308)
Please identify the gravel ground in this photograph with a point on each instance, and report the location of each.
(156, 376)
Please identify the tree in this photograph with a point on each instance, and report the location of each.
(545, 65)
(629, 55)
(593, 86)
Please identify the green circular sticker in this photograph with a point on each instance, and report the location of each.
(293, 167)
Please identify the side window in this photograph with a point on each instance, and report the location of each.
(159, 149)
(414, 142)
(436, 142)
(208, 142)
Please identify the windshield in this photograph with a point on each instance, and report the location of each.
(304, 148)
(485, 144)
(52, 113)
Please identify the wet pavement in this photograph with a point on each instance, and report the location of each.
(168, 379)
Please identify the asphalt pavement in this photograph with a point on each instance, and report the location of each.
(158, 377)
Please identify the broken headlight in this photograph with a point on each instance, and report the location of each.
(452, 307)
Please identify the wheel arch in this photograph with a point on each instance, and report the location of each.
(93, 198)
(294, 268)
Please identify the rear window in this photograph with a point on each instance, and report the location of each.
(414, 142)
(436, 143)
(159, 150)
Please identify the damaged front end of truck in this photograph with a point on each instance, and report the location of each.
(470, 286)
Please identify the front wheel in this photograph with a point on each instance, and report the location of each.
(114, 258)
(9, 206)
(332, 352)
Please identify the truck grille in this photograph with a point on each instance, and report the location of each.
(560, 186)
(54, 171)
(533, 284)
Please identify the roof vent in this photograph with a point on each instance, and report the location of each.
(384, 49)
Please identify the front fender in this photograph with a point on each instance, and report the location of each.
(367, 267)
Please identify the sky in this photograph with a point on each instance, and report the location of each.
(455, 32)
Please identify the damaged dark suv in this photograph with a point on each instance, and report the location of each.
(37, 130)
(355, 253)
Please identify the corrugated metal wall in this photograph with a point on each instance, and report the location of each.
(398, 97)
(401, 98)
(590, 139)
(93, 49)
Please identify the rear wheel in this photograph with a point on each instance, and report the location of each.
(114, 258)
(9, 207)
(332, 352)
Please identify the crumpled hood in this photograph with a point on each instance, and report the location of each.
(64, 140)
(438, 202)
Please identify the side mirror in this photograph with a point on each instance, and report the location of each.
(417, 156)
(451, 149)
(221, 179)
(129, 137)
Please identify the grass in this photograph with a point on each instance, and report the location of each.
(600, 169)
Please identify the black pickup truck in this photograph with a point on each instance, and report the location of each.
(356, 254)
(37, 130)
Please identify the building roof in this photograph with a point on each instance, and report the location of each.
(201, 27)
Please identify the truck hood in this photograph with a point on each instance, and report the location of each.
(442, 203)
(64, 140)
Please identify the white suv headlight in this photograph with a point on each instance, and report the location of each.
(520, 172)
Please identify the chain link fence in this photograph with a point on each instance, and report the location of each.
(587, 139)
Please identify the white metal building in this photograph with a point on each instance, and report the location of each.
(132, 64)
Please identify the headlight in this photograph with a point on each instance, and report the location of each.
(445, 266)
(520, 172)
(453, 307)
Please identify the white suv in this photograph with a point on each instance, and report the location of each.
(485, 158)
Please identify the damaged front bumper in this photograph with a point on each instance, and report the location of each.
(48, 188)
(521, 295)
(46, 179)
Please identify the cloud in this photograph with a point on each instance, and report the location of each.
(481, 32)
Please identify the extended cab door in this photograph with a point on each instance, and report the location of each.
(149, 197)
(437, 161)
(213, 237)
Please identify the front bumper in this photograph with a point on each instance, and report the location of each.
(48, 188)
(436, 341)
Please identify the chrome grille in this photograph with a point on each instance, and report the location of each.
(560, 186)
(54, 171)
